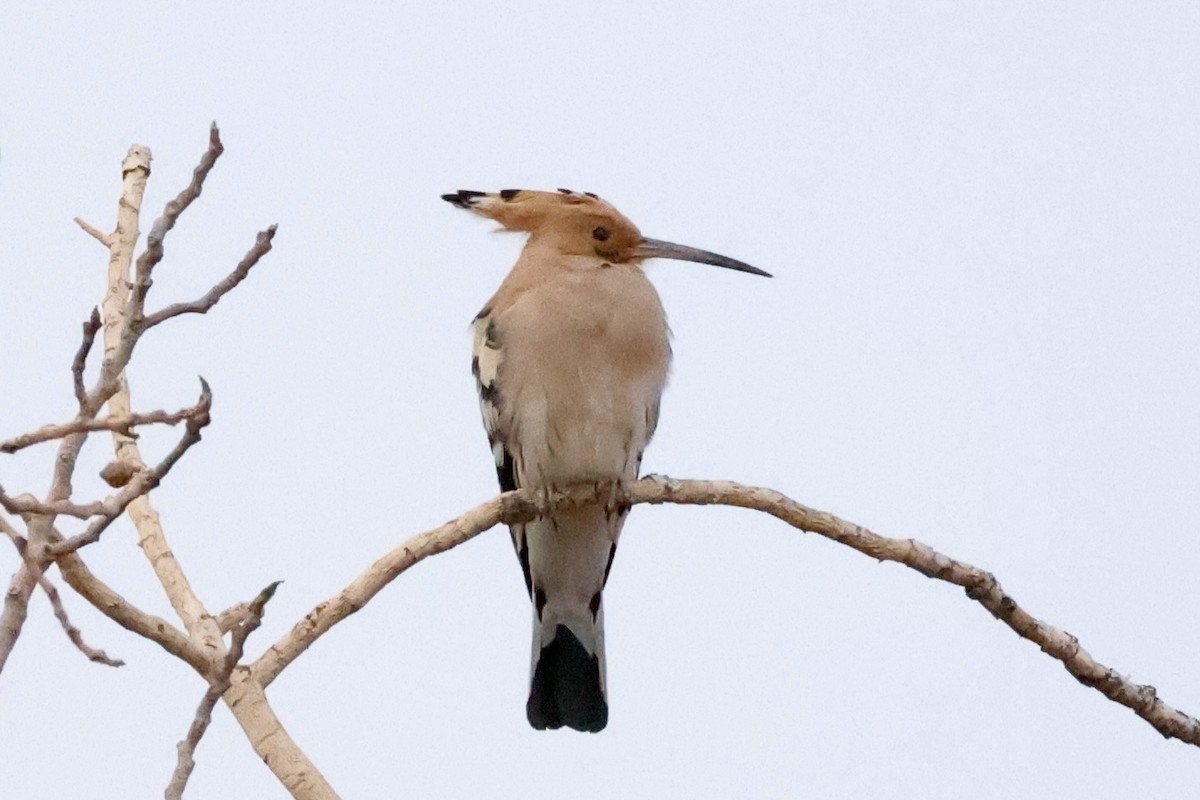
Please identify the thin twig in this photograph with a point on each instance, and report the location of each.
(262, 245)
(93, 654)
(97, 234)
(60, 611)
(520, 506)
(77, 365)
(218, 685)
(158, 231)
(124, 425)
(144, 480)
(24, 504)
(121, 611)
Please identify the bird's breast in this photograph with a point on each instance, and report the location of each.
(585, 362)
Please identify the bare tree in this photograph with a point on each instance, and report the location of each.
(212, 644)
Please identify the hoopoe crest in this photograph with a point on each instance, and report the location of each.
(570, 360)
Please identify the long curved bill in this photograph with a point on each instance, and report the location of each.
(657, 248)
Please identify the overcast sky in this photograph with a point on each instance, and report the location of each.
(982, 333)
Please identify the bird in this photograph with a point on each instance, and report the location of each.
(570, 358)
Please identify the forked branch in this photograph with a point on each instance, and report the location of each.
(166, 221)
(60, 612)
(219, 683)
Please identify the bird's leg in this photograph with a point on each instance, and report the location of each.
(611, 496)
(542, 497)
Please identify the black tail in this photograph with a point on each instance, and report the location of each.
(566, 687)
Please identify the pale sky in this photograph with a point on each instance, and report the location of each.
(982, 333)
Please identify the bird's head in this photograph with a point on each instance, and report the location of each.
(581, 224)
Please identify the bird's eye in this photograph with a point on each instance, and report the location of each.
(601, 234)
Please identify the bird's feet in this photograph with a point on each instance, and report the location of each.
(543, 500)
(611, 495)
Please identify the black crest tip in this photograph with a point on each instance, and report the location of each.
(463, 198)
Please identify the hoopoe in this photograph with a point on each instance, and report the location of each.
(570, 359)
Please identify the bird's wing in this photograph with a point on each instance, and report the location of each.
(485, 365)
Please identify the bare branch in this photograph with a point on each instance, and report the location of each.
(123, 322)
(272, 742)
(124, 424)
(73, 633)
(128, 616)
(135, 169)
(122, 328)
(16, 606)
(25, 504)
(144, 480)
(119, 335)
(111, 507)
(519, 506)
(508, 507)
(14, 536)
(16, 599)
(233, 616)
(154, 240)
(115, 607)
(218, 685)
(15, 505)
(89, 336)
(60, 611)
(262, 246)
(980, 586)
(186, 749)
(34, 560)
(100, 236)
